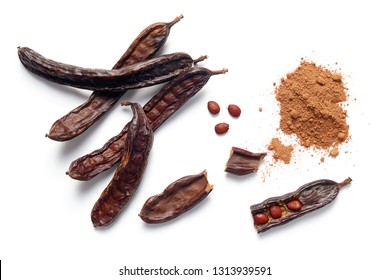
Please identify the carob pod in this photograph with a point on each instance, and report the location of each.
(243, 162)
(179, 197)
(158, 109)
(129, 172)
(276, 211)
(142, 74)
(144, 47)
(176, 93)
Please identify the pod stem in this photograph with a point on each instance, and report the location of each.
(176, 20)
(345, 182)
(218, 72)
(126, 103)
(201, 58)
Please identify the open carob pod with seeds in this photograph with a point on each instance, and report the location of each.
(276, 211)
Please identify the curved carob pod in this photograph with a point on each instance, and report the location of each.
(177, 92)
(143, 74)
(129, 172)
(276, 211)
(161, 106)
(178, 198)
(144, 47)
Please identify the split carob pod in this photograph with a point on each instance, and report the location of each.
(158, 109)
(142, 74)
(129, 172)
(242, 162)
(280, 210)
(144, 47)
(179, 197)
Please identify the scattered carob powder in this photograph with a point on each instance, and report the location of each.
(281, 151)
(310, 107)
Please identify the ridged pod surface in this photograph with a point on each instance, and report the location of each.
(309, 197)
(144, 47)
(162, 105)
(143, 74)
(129, 172)
(178, 198)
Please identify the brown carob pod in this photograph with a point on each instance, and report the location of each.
(179, 197)
(243, 162)
(143, 74)
(307, 198)
(159, 108)
(177, 92)
(129, 172)
(144, 47)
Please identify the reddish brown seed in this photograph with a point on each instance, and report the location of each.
(221, 128)
(213, 107)
(261, 218)
(275, 211)
(294, 205)
(234, 110)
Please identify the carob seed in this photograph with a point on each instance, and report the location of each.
(221, 128)
(275, 211)
(234, 110)
(213, 107)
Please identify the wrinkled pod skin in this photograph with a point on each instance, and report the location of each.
(242, 162)
(158, 109)
(178, 198)
(143, 74)
(129, 172)
(144, 47)
(312, 196)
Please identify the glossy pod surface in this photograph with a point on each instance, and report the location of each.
(305, 199)
(144, 47)
(129, 172)
(143, 74)
(242, 162)
(158, 109)
(179, 197)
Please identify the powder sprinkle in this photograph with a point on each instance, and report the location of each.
(280, 151)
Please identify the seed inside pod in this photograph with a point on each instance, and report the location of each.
(294, 205)
(275, 211)
(261, 218)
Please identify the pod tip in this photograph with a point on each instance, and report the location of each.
(126, 103)
(176, 20)
(201, 58)
(345, 182)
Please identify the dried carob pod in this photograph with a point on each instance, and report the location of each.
(276, 211)
(144, 47)
(179, 197)
(243, 162)
(129, 172)
(158, 109)
(143, 74)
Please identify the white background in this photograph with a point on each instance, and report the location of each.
(45, 230)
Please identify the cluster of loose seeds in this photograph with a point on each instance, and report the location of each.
(214, 109)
